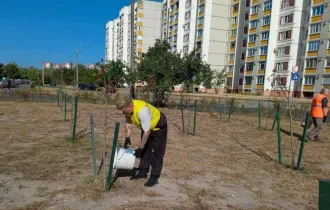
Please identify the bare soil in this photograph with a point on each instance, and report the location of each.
(226, 165)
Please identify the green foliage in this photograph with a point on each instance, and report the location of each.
(34, 75)
(87, 76)
(220, 77)
(11, 71)
(68, 76)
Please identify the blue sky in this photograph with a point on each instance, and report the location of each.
(50, 30)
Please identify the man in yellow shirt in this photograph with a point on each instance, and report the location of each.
(153, 125)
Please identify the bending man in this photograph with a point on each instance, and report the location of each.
(153, 125)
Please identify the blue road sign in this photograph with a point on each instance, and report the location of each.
(295, 76)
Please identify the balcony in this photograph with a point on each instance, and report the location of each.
(200, 14)
(232, 50)
(235, 13)
(176, 21)
(252, 44)
(312, 53)
(253, 30)
(251, 58)
(265, 28)
(328, 51)
(172, 2)
(247, 86)
(260, 86)
(176, 10)
(200, 26)
(255, 16)
(264, 42)
(261, 71)
(231, 62)
(234, 25)
(314, 36)
(316, 19)
(233, 38)
(230, 74)
(235, 1)
(140, 15)
(201, 2)
(327, 70)
(326, 86)
(139, 50)
(175, 32)
(140, 24)
(262, 57)
(248, 72)
(254, 2)
(308, 88)
(310, 71)
(139, 41)
(267, 12)
(140, 6)
(174, 43)
(170, 34)
(139, 33)
(317, 2)
(199, 38)
(171, 13)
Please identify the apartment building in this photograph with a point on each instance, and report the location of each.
(316, 72)
(147, 29)
(198, 24)
(267, 42)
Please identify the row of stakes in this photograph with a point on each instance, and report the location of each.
(324, 184)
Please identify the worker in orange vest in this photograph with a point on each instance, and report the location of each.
(319, 113)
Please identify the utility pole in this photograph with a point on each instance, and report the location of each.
(132, 46)
(77, 81)
(43, 73)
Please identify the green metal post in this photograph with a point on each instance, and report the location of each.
(259, 108)
(302, 144)
(65, 105)
(324, 194)
(195, 112)
(275, 118)
(93, 145)
(220, 109)
(279, 141)
(75, 118)
(58, 97)
(61, 100)
(182, 116)
(114, 147)
(230, 109)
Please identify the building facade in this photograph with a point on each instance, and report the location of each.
(147, 25)
(198, 24)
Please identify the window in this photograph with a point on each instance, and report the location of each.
(283, 51)
(247, 16)
(262, 65)
(188, 3)
(236, 8)
(234, 32)
(287, 3)
(187, 15)
(252, 38)
(235, 20)
(283, 81)
(254, 24)
(248, 80)
(186, 38)
(200, 20)
(287, 19)
(316, 11)
(202, 7)
(185, 49)
(232, 44)
(251, 52)
(309, 80)
(263, 50)
(311, 63)
(244, 43)
(246, 29)
(327, 64)
(240, 82)
(315, 28)
(326, 80)
(283, 66)
(284, 35)
(254, 9)
(200, 32)
(265, 35)
(247, 4)
(231, 57)
(243, 56)
(249, 66)
(261, 80)
(186, 26)
(230, 69)
(328, 44)
(266, 21)
(229, 81)
(314, 45)
(267, 5)
(241, 70)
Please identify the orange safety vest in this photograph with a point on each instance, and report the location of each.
(317, 109)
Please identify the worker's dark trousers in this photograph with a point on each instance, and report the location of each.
(154, 150)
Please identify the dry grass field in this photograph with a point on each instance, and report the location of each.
(227, 165)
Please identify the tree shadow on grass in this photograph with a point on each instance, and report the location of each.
(289, 133)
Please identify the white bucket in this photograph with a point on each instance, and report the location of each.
(124, 159)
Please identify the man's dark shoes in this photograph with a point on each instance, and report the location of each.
(141, 175)
(152, 181)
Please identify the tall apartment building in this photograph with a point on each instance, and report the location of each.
(198, 24)
(147, 29)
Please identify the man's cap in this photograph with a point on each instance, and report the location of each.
(323, 90)
(123, 103)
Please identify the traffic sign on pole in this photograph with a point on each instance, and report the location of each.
(295, 76)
